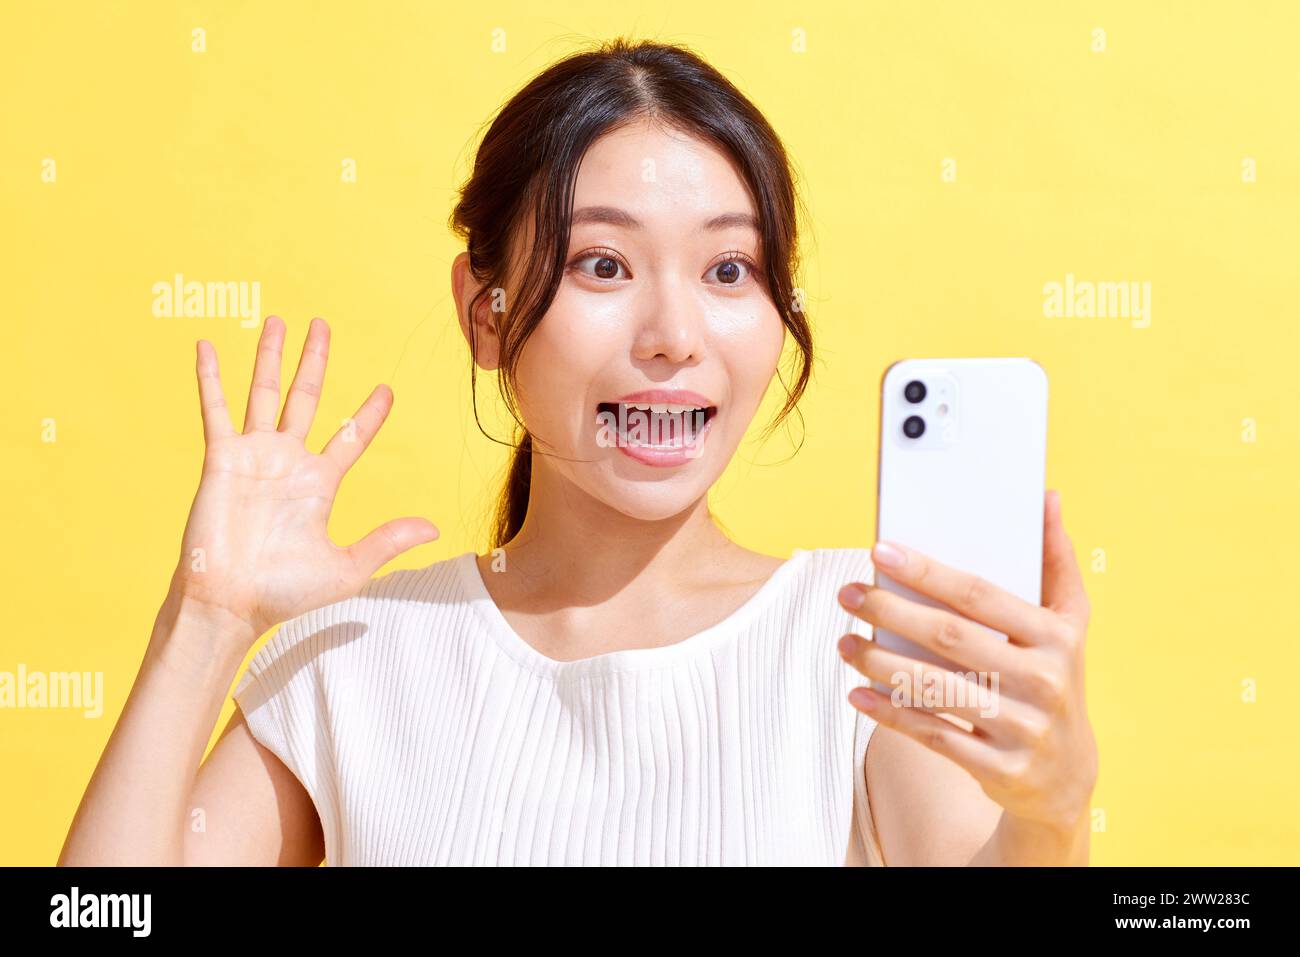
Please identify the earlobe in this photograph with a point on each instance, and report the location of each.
(484, 345)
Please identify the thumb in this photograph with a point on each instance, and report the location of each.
(389, 540)
(1062, 586)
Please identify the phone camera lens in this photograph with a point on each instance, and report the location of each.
(914, 391)
(913, 426)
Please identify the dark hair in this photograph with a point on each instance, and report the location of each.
(529, 158)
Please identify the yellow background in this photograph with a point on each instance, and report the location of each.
(1117, 165)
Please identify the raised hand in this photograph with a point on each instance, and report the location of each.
(1027, 739)
(255, 546)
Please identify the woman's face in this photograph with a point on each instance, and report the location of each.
(663, 306)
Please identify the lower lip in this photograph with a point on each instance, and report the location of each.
(668, 457)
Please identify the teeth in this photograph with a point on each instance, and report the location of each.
(664, 407)
(660, 425)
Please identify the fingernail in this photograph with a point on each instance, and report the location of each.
(852, 596)
(849, 646)
(887, 555)
(862, 698)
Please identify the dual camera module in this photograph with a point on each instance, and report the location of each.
(914, 425)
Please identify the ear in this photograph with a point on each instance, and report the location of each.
(482, 324)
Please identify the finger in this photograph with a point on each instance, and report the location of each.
(1063, 589)
(958, 639)
(212, 398)
(968, 595)
(264, 393)
(304, 391)
(354, 436)
(938, 734)
(922, 684)
(388, 541)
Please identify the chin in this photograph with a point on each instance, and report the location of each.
(651, 494)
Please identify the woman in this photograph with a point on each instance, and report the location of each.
(616, 681)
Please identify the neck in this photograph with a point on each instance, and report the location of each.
(578, 545)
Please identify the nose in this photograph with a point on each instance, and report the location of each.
(672, 326)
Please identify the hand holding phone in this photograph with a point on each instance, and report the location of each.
(994, 583)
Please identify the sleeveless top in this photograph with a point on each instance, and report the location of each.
(428, 732)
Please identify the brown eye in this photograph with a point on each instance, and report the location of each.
(734, 271)
(607, 265)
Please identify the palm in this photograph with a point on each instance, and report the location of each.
(256, 543)
(263, 505)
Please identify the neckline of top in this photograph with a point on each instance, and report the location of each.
(628, 659)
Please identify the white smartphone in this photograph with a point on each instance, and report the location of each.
(963, 456)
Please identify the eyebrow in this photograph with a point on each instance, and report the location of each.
(613, 216)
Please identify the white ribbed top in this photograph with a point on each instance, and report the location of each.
(427, 731)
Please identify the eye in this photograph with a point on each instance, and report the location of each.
(607, 265)
(735, 268)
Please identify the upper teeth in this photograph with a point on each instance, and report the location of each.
(663, 407)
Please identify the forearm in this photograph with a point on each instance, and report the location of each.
(1019, 843)
(135, 808)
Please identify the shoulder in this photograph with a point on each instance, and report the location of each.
(381, 610)
(836, 567)
(809, 585)
(349, 656)
(820, 622)
(817, 583)
(824, 571)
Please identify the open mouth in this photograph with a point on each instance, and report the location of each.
(655, 425)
